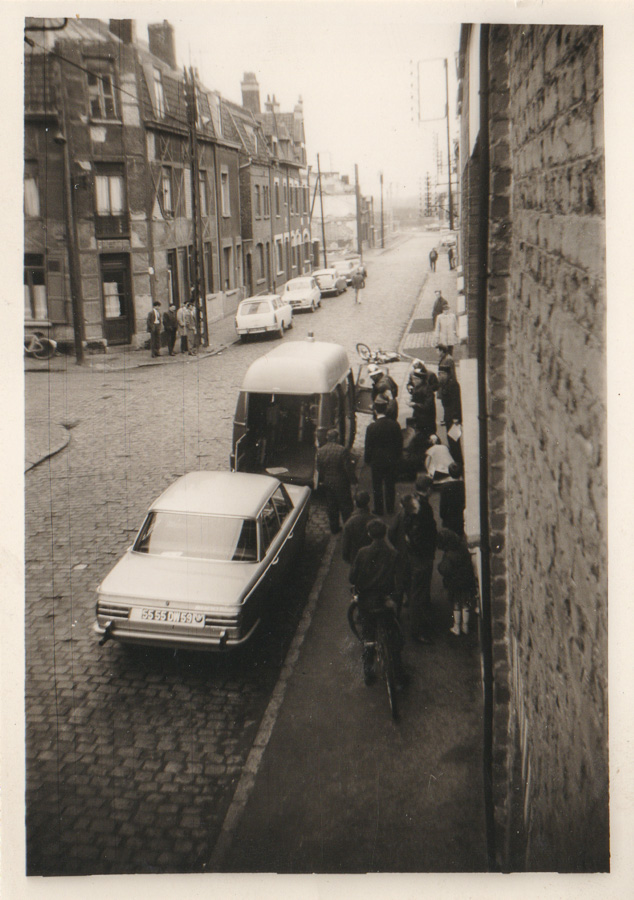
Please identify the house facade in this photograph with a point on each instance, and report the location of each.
(533, 251)
(141, 184)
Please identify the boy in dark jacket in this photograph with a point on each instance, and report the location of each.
(458, 578)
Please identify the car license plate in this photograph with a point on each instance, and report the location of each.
(168, 616)
(256, 330)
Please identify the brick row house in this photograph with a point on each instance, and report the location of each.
(533, 249)
(111, 154)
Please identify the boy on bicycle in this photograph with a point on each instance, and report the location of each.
(372, 574)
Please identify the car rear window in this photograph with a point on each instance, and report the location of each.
(220, 538)
(299, 284)
(254, 306)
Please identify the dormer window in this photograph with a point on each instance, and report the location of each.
(159, 94)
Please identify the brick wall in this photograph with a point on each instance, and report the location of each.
(547, 453)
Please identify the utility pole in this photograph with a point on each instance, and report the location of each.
(448, 150)
(323, 224)
(192, 118)
(77, 302)
(356, 191)
(382, 222)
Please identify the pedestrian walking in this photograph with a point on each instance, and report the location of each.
(355, 530)
(358, 283)
(181, 320)
(451, 258)
(190, 324)
(154, 327)
(413, 535)
(456, 569)
(453, 501)
(433, 256)
(372, 574)
(383, 449)
(170, 325)
(335, 469)
(446, 328)
(437, 307)
(450, 397)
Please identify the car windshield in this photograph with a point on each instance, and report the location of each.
(299, 284)
(198, 537)
(254, 306)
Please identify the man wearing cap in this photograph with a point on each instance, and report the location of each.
(383, 449)
(154, 327)
(335, 468)
(381, 382)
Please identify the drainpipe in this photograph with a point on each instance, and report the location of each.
(485, 545)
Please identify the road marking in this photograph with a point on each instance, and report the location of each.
(252, 765)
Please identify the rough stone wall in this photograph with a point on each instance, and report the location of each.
(547, 403)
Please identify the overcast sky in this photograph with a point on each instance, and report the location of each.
(351, 62)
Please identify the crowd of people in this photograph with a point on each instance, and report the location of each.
(393, 562)
(174, 323)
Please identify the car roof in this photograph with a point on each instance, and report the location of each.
(299, 278)
(329, 271)
(217, 493)
(261, 297)
(298, 367)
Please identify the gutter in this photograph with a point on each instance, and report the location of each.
(485, 544)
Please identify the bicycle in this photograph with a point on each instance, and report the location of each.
(379, 356)
(39, 346)
(386, 621)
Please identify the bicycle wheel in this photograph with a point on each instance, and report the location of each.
(32, 344)
(385, 661)
(45, 350)
(364, 352)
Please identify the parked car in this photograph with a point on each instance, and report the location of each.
(357, 262)
(264, 313)
(205, 564)
(330, 282)
(447, 239)
(303, 293)
(345, 268)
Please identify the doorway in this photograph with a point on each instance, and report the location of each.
(116, 293)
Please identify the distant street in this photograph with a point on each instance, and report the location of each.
(132, 758)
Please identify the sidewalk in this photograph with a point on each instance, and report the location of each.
(338, 787)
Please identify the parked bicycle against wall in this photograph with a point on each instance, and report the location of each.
(387, 634)
(38, 346)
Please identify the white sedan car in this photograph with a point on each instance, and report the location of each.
(330, 282)
(303, 293)
(206, 563)
(262, 314)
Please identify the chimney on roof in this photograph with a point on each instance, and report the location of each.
(250, 93)
(161, 41)
(271, 105)
(124, 29)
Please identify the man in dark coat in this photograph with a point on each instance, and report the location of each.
(372, 575)
(335, 468)
(170, 326)
(383, 449)
(355, 530)
(452, 501)
(449, 393)
(413, 534)
(154, 327)
(439, 305)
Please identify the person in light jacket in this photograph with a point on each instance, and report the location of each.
(446, 330)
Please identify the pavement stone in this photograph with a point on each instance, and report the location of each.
(130, 430)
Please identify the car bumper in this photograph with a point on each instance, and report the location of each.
(260, 329)
(215, 639)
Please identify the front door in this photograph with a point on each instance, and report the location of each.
(116, 293)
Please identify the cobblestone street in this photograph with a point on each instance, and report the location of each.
(132, 757)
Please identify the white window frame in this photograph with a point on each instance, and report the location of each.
(31, 197)
(159, 93)
(167, 179)
(107, 187)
